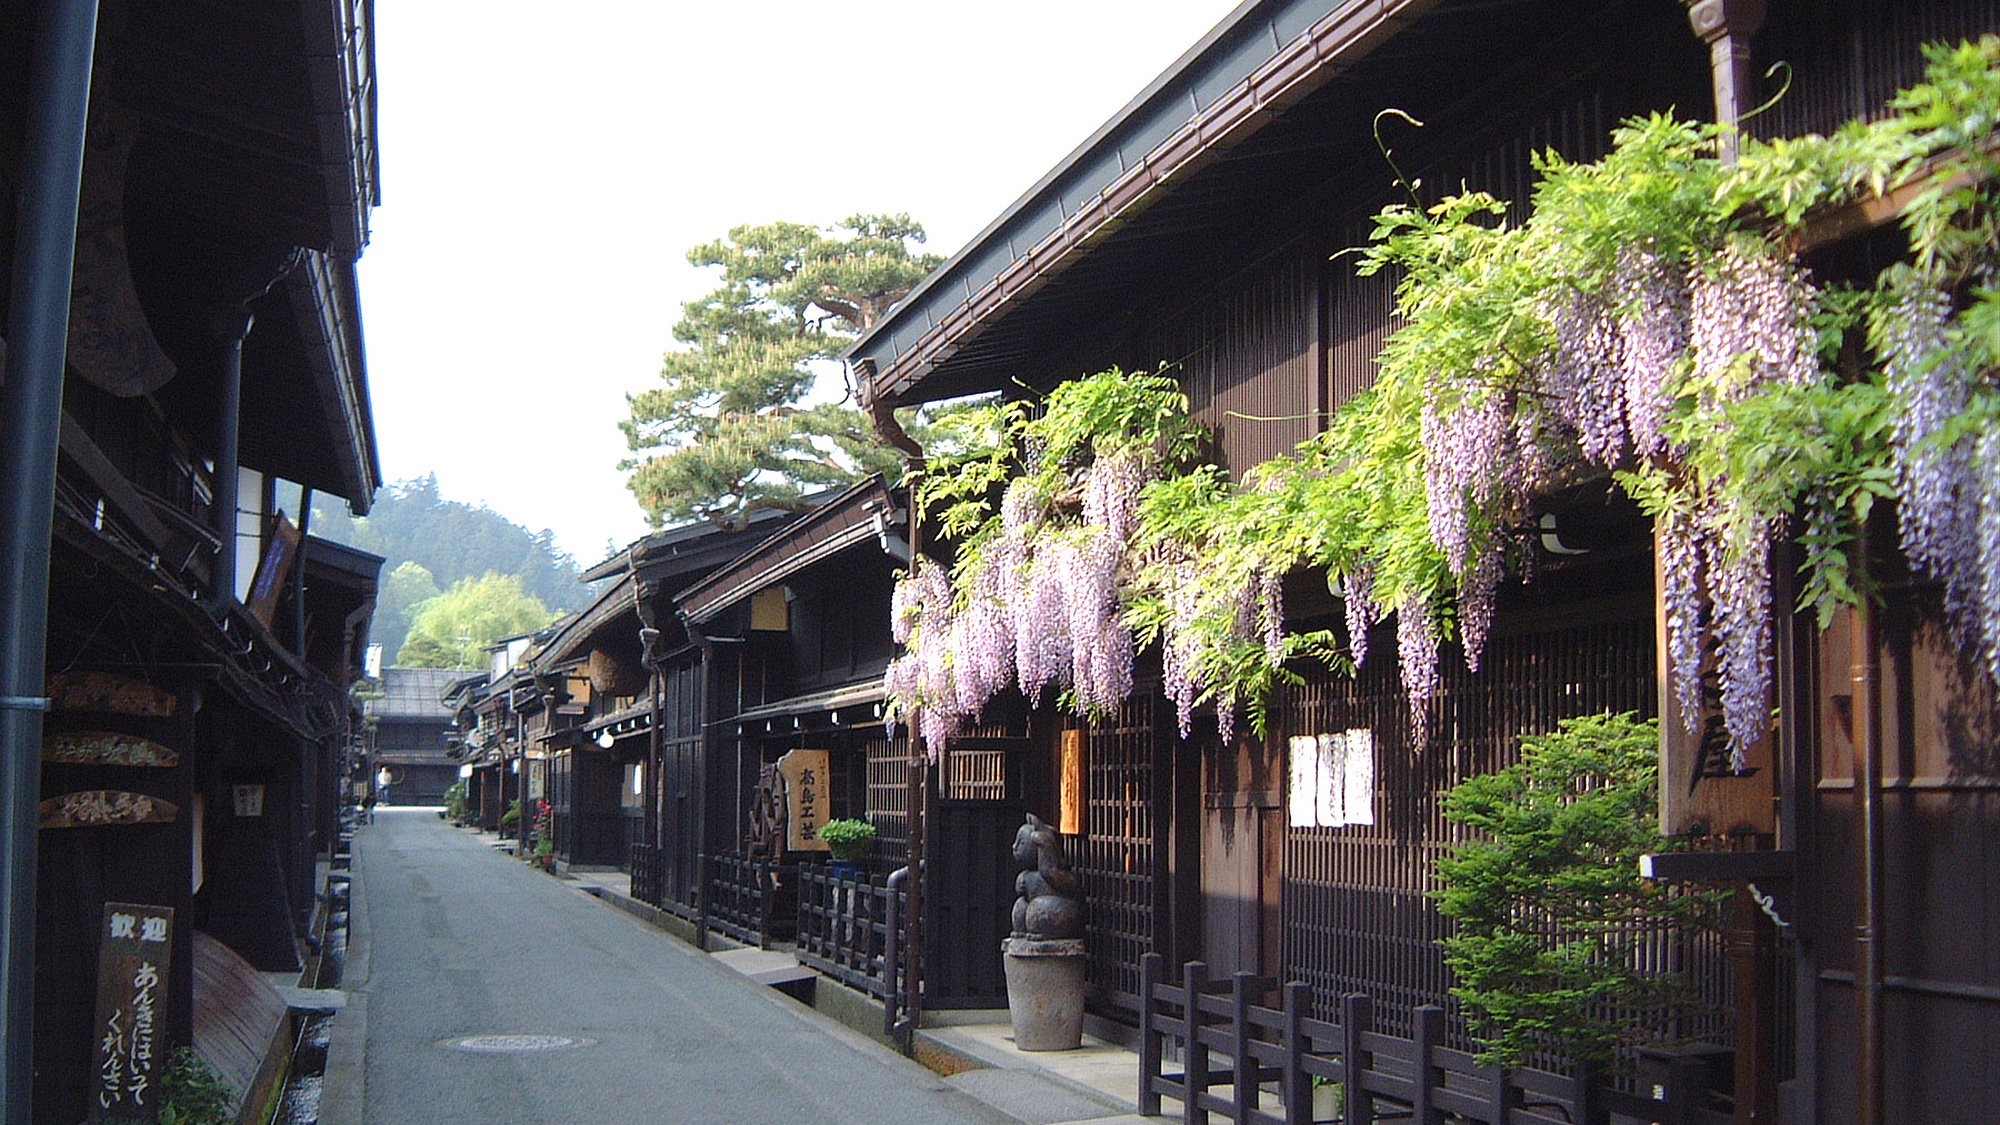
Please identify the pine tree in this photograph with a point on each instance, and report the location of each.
(726, 432)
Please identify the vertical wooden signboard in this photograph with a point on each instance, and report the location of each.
(1700, 792)
(135, 954)
(1072, 797)
(806, 799)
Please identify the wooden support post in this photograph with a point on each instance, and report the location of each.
(704, 876)
(1151, 968)
(1242, 987)
(1585, 1108)
(1753, 965)
(1357, 1016)
(1298, 1084)
(1870, 911)
(1428, 1033)
(766, 899)
(1194, 978)
(1504, 1097)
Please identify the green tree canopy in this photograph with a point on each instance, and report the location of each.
(403, 590)
(413, 525)
(454, 628)
(725, 432)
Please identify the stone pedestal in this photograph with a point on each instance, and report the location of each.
(1045, 992)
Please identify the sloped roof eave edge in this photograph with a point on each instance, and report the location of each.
(1363, 25)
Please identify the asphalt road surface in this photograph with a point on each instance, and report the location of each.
(471, 966)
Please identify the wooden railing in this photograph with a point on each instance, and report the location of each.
(744, 899)
(1226, 1039)
(844, 924)
(648, 882)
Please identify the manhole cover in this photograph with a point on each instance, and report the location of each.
(510, 1044)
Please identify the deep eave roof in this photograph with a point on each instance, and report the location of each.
(1263, 57)
(840, 523)
(619, 599)
(690, 546)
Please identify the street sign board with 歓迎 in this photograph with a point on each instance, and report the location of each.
(135, 953)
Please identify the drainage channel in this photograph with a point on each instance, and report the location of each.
(305, 1077)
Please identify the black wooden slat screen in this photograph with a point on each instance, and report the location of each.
(1114, 858)
(1357, 911)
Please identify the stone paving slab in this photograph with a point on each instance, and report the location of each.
(1033, 1097)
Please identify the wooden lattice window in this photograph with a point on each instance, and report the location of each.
(975, 775)
(1115, 856)
(888, 796)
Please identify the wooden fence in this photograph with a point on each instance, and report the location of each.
(647, 884)
(1257, 1065)
(746, 899)
(844, 925)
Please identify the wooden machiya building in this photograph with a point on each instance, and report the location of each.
(502, 718)
(794, 639)
(709, 664)
(200, 641)
(1201, 227)
(597, 671)
(408, 725)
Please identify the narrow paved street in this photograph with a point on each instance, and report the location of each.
(452, 940)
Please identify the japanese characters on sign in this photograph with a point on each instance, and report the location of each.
(1070, 808)
(1701, 791)
(136, 952)
(97, 807)
(806, 798)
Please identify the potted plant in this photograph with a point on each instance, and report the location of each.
(848, 841)
(545, 854)
(454, 803)
(1328, 1098)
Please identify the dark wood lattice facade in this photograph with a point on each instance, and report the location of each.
(1227, 266)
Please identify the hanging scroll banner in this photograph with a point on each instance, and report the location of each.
(1070, 813)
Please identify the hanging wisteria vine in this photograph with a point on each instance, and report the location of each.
(1034, 602)
(1651, 319)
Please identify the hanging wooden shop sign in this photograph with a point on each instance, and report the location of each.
(99, 808)
(135, 957)
(108, 691)
(1701, 793)
(806, 798)
(1069, 813)
(105, 748)
(276, 566)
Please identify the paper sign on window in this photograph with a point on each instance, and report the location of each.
(1333, 779)
(1357, 775)
(1304, 796)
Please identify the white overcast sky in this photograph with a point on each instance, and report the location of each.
(545, 169)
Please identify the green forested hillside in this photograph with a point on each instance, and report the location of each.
(429, 543)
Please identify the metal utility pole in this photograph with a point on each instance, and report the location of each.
(30, 426)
